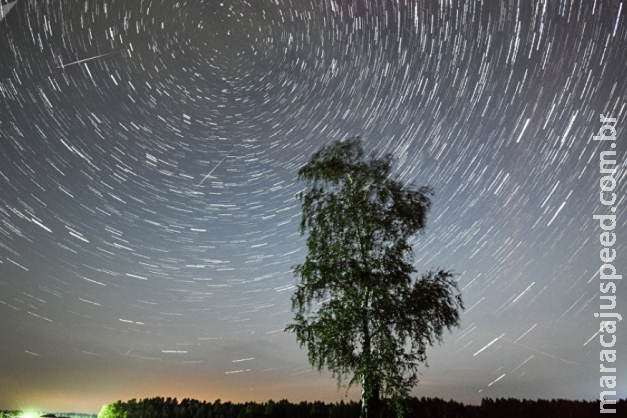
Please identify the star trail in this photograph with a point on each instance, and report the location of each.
(149, 151)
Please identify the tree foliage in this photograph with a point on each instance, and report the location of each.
(358, 309)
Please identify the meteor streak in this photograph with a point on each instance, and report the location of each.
(209, 175)
(83, 60)
(539, 352)
(5, 8)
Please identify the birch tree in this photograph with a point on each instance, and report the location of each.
(358, 307)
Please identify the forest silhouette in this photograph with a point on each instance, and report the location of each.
(415, 407)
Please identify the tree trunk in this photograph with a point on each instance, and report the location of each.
(370, 402)
(370, 399)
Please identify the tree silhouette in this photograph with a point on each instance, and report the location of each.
(425, 407)
(372, 321)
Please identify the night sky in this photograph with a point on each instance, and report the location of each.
(148, 160)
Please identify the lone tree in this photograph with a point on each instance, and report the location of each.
(371, 319)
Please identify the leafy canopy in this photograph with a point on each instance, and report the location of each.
(357, 308)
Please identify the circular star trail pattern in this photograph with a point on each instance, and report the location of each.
(149, 152)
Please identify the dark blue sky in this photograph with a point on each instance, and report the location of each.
(148, 223)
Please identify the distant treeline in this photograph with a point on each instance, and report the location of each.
(419, 408)
(7, 414)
